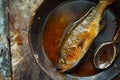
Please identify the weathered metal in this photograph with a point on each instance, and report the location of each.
(21, 13)
(5, 61)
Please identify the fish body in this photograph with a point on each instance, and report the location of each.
(78, 39)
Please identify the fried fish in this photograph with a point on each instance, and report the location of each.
(80, 36)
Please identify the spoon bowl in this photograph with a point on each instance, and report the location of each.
(105, 55)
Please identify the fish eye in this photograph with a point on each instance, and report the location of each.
(62, 61)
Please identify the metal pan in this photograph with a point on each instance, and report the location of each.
(47, 8)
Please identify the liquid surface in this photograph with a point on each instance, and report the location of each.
(104, 53)
(54, 29)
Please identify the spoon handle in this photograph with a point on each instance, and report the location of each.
(116, 34)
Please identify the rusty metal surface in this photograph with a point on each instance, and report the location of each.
(5, 66)
(21, 13)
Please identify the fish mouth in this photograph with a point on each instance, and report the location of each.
(61, 69)
(64, 68)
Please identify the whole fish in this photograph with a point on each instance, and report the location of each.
(78, 39)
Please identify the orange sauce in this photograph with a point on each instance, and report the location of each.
(52, 35)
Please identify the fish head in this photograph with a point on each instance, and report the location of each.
(63, 65)
(68, 60)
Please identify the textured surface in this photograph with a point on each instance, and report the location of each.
(20, 17)
(5, 67)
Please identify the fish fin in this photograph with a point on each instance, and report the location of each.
(79, 20)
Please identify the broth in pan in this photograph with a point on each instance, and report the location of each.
(57, 22)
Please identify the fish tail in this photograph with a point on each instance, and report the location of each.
(108, 2)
